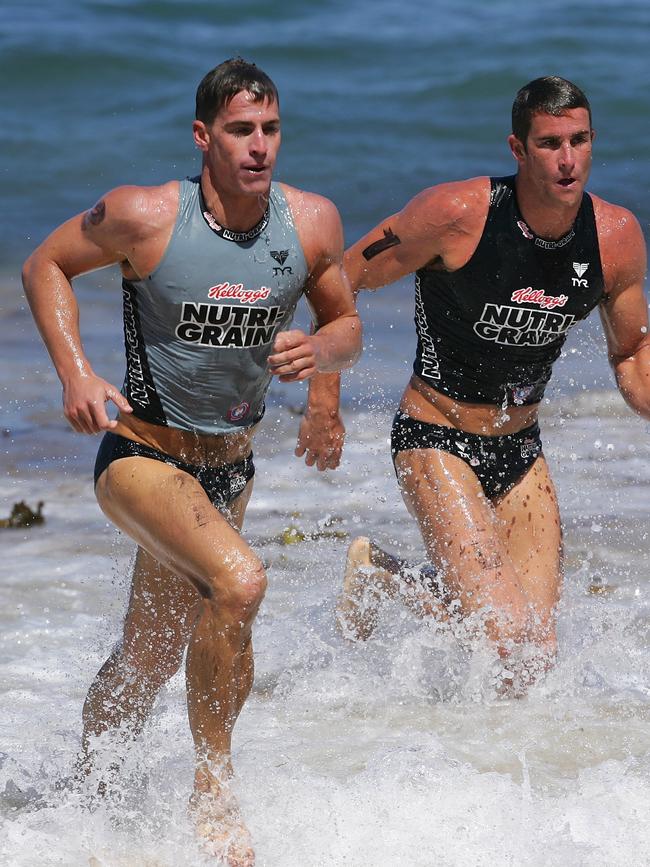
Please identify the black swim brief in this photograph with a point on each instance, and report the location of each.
(222, 484)
(499, 462)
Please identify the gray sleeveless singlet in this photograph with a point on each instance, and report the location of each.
(198, 331)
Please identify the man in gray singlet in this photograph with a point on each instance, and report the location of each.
(212, 269)
(504, 266)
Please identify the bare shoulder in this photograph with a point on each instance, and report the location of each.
(614, 220)
(310, 207)
(443, 224)
(455, 196)
(132, 225)
(622, 244)
(318, 224)
(451, 203)
(134, 210)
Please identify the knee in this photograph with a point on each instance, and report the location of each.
(240, 592)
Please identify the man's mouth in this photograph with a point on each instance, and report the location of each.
(566, 182)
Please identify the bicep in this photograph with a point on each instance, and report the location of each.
(95, 238)
(625, 313)
(625, 322)
(327, 289)
(328, 294)
(397, 246)
(74, 250)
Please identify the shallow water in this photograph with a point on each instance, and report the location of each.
(373, 753)
(393, 752)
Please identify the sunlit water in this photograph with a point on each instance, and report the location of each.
(393, 752)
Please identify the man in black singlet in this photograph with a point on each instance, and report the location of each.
(504, 267)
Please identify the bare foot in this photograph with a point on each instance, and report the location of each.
(218, 819)
(357, 607)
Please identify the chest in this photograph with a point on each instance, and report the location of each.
(208, 278)
(523, 277)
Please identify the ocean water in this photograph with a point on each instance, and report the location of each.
(393, 752)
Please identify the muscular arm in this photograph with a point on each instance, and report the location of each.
(439, 226)
(335, 342)
(625, 314)
(105, 235)
(322, 432)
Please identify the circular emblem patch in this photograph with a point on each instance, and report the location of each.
(237, 413)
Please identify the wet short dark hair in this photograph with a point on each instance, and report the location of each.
(548, 95)
(225, 81)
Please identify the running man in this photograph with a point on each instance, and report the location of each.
(503, 268)
(212, 270)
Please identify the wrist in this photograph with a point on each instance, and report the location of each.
(322, 413)
(74, 373)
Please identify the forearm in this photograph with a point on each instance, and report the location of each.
(339, 343)
(633, 380)
(56, 313)
(322, 432)
(324, 395)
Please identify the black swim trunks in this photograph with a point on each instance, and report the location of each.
(499, 462)
(222, 484)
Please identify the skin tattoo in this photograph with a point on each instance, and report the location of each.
(389, 240)
(96, 214)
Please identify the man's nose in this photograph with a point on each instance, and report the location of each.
(258, 143)
(567, 155)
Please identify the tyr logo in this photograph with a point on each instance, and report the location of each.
(580, 268)
(281, 257)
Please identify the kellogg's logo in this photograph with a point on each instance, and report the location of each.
(237, 291)
(538, 296)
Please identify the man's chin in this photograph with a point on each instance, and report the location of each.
(568, 196)
(256, 187)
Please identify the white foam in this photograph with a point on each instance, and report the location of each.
(392, 752)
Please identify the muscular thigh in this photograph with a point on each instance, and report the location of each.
(529, 519)
(163, 608)
(167, 512)
(459, 526)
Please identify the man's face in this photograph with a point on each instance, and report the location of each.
(241, 144)
(557, 158)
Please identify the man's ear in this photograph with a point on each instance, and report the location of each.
(517, 148)
(200, 134)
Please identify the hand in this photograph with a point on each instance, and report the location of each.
(295, 356)
(320, 439)
(84, 403)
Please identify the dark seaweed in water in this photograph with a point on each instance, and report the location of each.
(23, 516)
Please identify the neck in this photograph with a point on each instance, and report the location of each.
(551, 221)
(236, 212)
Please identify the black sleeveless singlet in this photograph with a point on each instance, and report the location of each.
(490, 331)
